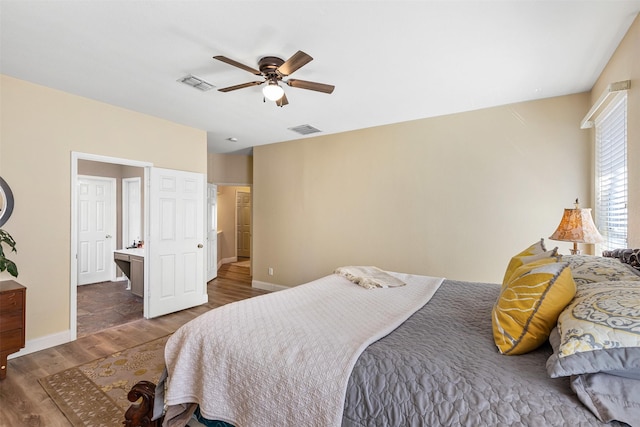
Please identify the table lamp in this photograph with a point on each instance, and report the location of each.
(577, 226)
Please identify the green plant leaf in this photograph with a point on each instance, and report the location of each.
(5, 263)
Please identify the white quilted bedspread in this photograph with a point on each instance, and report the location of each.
(284, 359)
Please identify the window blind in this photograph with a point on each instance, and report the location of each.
(611, 173)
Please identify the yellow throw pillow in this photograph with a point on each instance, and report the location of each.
(532, 253)
(529, 305)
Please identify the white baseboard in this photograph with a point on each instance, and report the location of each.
(31, 346)
(266, 286)
(228, 260)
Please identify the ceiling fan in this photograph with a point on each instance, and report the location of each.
(274, 70)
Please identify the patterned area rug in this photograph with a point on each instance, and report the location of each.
(95, 394)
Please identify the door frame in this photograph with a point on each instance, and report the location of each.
(73, 283)
(235, 219)
(212, 227)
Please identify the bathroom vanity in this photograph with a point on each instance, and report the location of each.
(131, 262)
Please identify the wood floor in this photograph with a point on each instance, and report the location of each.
(23, 402)
(107, 304)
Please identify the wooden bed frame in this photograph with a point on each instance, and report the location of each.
(140, 414)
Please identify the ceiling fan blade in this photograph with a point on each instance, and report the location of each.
(240, 86)
(237, 64)
(282, 101)
(295, 62)
(303, 84)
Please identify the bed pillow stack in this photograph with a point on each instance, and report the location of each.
(597, 340)
(599, 331)
(597, 344)
(536, 288)
(589, 309)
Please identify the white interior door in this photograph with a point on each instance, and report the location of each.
(243, 201)
(176, 268)
(96, 228)
(212, 231)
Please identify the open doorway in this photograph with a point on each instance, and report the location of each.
(110, 218)
(174, 236)
(234, 226)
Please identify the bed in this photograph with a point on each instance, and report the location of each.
(441, 364)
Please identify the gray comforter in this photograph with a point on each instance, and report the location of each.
(441, 368)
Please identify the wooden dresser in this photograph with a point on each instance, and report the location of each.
(12, 315)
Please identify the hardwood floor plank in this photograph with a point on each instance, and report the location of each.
(23, 402)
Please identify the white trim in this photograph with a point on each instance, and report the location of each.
(587, 122)
(41, 343)
(235, 222)
(73, 276)
(227, 260)
(265, 286)
(107, 159)
(146, 231)
(230, 184)
(212, 263)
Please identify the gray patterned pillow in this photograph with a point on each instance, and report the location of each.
(599, 331)
(590, 269)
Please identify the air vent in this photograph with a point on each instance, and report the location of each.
(305, 129)
(196, 82)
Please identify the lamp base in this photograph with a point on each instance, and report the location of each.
(575, 250)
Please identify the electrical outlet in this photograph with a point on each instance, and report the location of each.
(270, 271)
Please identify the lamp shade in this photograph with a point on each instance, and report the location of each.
(577, 226)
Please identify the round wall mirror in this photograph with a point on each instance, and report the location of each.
(6, 202)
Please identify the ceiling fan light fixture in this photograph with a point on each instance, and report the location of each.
(273, 91)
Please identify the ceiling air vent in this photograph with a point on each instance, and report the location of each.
(196, 82)
(305, 129)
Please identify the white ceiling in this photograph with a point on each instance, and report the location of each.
(391, 61)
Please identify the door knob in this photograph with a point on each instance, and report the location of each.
(200, 245)
(108, 236)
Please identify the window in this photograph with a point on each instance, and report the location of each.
(611, 173)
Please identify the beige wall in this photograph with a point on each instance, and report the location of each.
(625, 65)
(229, 169)
(40, 128)
(453, 196)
